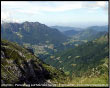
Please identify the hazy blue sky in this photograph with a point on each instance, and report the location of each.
(63, 13)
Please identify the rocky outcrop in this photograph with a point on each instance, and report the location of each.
(18, 65)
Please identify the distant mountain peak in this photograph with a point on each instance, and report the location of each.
(32, 32)
(66, 28)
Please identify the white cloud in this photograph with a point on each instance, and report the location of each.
(95, 4)
(7, 16)
(4, 15)
(8, 8)
(101, 3)
(52, 5)
(62, 6)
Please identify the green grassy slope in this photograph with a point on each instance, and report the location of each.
(89, 60)
(20, 66)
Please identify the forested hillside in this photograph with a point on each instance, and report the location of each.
(31, 32)
(89, 59)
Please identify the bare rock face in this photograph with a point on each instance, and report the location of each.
(18, 65)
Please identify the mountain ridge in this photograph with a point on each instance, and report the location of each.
(40, 33)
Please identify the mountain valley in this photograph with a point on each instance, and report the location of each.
(38, 53)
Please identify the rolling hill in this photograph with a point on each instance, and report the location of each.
(70, 33)
(66, 28)
(89, 34)
(99, 28)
